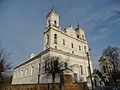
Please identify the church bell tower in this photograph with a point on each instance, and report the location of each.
(52, 19)
(52, 22)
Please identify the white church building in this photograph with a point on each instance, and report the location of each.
(69, 44)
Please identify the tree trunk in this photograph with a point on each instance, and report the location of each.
(53, 84)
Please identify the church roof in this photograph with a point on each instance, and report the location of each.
(51, 12)
(31, 59)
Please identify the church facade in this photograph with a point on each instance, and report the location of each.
(70, 45)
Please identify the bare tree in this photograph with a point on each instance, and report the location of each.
(54, 66)
(4, 64)
(112, 55)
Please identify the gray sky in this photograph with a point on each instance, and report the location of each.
(22, 23)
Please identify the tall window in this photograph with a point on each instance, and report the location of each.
(17, 74)
(55, 38)
(47, 39)
(104, 69)
(85, 49)
(55, 23)
(49, 23)
(21, 74)
(39, 67)
(75, 77)
(81, 69)
(26, 72)
(88, 70)
(32, 70)
(66, 65)
(72, 45)
(78, 36)
(63, 41)
(79, 48)
(83, 37)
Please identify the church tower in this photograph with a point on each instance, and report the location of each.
(80, 32)
(52, 19)
(52, 25)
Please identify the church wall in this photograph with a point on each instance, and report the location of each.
(68, 41)
(75, 64)
(26, 73)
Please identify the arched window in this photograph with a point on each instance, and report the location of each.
(49, 23)
(104, 69)
(47, 39)
(75, 77)
(79, 48)
(63, 41)
(85, 49)
(55, 23)
(81, 69)
(21, 73)
(88, 70)
(32, 70)
(55, 38)
(26, 72)
(72, 45)
(83, 37)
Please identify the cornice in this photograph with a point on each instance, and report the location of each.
(53, 50)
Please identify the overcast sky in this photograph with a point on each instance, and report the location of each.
(22, 23)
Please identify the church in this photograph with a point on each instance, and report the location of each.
(70, 44)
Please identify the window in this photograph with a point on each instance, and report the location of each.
(17, 74)
(55, 47)
(21, 73)
(46, 65)
(72, 52)
(78, 36)
(39, 67)
(49, 23)
(72, 45)
(63, 41)
(55, 23)
(88, 70)
(26, 72)
(85, 49)
(32, 70)
(81, 69)
(83, 37)
(104, 69)
(55, 38)
(47, 39)
(100, 83)
(75, 77)
(79, 48)
(66, 65)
